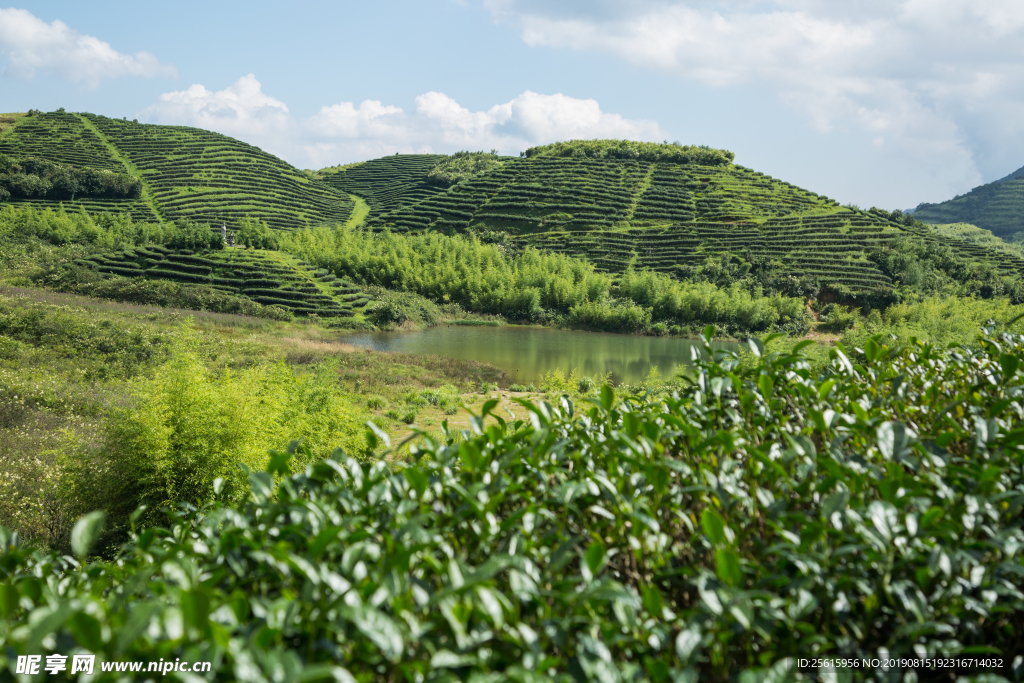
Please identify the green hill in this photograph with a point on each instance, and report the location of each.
(386, 183)
(670, 208)
(186, 173)
(997, 207)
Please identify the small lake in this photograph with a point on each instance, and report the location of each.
(527, 353)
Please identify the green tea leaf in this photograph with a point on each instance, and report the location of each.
(86, 532)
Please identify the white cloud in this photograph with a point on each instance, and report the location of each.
(30, 44)
(937, 80)
(345, 132)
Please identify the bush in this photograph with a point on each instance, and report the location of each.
(620, 316)
(764, 513)
(398, 308)
(838, 318)
(186, 428)
(461, 166)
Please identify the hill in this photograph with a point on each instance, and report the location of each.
(671, 208)
(386, 183)
(186, 173)
(997, 207)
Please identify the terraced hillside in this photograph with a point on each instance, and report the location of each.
(544, 193)
(386, 183)
(998, 207)
(62, 138)
(671, 217)
(268, 278)
(211, 178)
(187, 173)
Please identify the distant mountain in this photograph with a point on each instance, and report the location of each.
(997, 206)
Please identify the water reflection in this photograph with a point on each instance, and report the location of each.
(527, 353)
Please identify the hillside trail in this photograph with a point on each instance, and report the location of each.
(359, 211)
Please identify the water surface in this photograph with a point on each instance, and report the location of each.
(527, 353)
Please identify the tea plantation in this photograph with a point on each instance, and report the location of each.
(672, 215)
(188, 174)
(386, 183)
(62, 138)
(211, 178)
(766, 513)
(267, 278)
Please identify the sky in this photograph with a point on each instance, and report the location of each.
(875, 103)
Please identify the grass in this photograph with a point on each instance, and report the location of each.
(360, 211)
(69, 362)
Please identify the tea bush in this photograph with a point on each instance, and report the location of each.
(766, 511)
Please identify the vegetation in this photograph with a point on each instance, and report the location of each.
(38, 178)
(185, 174)
(386, 183)
(766, 511)
(720, 224)
(997, 207)
(974, 235)
(534, 286)
(640, 151)
(461, 166)
(103, 403)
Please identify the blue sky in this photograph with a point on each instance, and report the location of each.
(869, 102)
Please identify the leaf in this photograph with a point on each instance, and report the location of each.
(766, 385)
(86, 532)
(653, 601)
(380, 629)
(278, 463)
(727, 563)
(417, 479)
(933, 515)
(1009, 364)
(714, 526)
(375, 434)
(595, 557)
(825, 388)
(195, 607)
(892, 439)
(756, 346)
(687, 643)
(607, 397)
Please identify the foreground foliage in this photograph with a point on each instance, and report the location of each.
(762, 513)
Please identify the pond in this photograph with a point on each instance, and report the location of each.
(527, 353)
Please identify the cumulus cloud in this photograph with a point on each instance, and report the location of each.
(346, 132)
(938, 80)
(30, 45)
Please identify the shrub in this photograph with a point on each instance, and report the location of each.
(763, 513)
(838, 318)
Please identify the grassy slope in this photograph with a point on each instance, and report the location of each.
(670, 217)
(998, 207)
